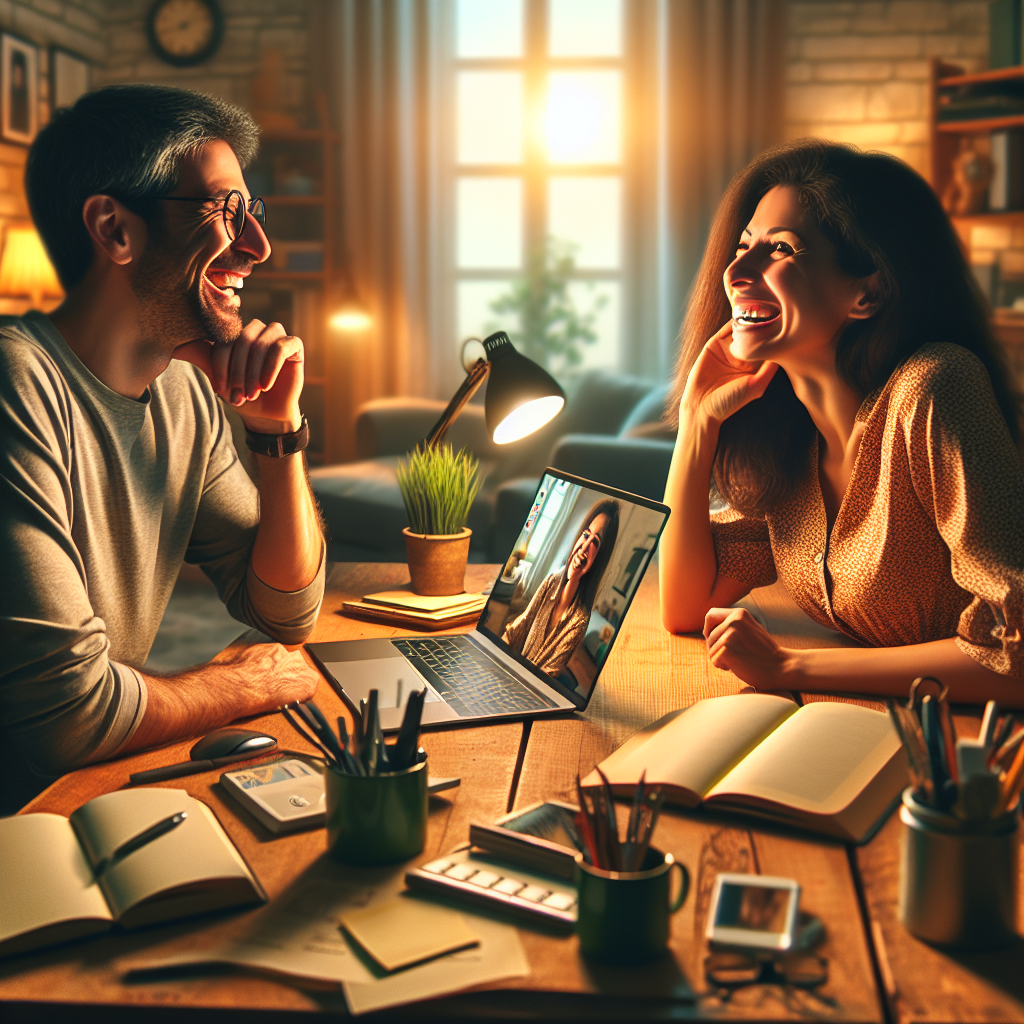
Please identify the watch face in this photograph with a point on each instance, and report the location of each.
(185, 32)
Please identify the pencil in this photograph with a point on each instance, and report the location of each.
(1012, 782)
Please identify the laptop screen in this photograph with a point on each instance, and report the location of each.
(563, 592)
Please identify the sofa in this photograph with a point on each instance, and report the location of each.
(610, 430)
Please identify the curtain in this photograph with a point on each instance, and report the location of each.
(724, 73)
(707, 88)
(380, 74)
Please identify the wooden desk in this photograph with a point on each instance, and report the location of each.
(649, 673)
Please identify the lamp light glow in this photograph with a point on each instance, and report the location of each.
(25, 268)
(521, 396)
(527, 418)
(352, 321)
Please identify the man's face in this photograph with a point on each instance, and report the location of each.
(187, 277)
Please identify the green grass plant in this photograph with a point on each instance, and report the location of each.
(438, 486)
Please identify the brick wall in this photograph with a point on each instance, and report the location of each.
(251, 28)
(858, 71)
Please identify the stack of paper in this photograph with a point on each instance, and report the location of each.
(299, 935)
(404, 608)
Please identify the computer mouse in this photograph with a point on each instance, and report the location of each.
(240, 743)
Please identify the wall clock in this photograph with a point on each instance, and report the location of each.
(185, 32)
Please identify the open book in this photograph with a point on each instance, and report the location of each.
(828, 767)
(48, 887)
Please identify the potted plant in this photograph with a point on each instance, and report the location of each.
(438, 487)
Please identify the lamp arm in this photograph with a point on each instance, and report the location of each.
(474, 378)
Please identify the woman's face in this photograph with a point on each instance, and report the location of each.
(788, 295)
(585, 550)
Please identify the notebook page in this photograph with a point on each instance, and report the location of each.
(45, 879)
(698, 747)
(818, 761)
(196, 852)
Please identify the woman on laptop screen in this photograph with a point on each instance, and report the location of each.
(857, 422)
(555, 620)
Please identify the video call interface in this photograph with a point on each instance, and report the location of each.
(581, 553)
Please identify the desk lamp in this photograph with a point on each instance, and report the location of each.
(25, 269)
(521, 396)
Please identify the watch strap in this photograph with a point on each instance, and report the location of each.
(277, 446)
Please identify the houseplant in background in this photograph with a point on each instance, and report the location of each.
(438, 487)
(551, 330)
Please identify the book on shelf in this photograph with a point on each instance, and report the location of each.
(829, 767)
(51, 891)
(417, 611)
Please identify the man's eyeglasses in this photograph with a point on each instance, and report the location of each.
(234, 210)
(728, 971)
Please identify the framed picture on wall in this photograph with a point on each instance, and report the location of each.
(19, 82)
(69, 77)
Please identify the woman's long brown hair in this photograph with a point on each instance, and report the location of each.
(880, 216)
(592, 580)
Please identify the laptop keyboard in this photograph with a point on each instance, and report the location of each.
(470, 682)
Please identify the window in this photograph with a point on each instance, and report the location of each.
(539, 165)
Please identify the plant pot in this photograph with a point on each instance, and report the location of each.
(437, 562)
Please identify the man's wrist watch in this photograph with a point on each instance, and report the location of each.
(277, 446)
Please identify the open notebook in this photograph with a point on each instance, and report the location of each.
(829, 767)
(49, 892)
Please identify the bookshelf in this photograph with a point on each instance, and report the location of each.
(294, 173)
(986, 235)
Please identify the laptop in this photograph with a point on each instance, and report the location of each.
(551, 620)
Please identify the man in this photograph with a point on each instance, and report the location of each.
(116, 460)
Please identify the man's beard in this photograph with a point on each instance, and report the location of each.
(172, 310)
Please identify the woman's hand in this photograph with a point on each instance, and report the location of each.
(738, 642)
(719, 384)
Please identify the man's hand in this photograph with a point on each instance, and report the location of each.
(250, 681)
(260, 373)
(738, 642)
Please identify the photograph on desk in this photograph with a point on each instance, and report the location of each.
(554, 612)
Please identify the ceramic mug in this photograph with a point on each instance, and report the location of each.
(376, 819)
(623, 916)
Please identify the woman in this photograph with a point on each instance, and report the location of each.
(854, 412)
(554, 622)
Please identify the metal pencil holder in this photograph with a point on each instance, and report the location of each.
(958, 879)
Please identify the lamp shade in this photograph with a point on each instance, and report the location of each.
(521, 396)
(25, 269)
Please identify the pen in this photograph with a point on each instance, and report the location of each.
(144, 838)
(933, 742)
(404, 750)
(988, 723)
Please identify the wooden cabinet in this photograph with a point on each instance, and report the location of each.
(294, 174)
(993, 240)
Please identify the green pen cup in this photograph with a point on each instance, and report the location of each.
(376, 819)
(623, 916)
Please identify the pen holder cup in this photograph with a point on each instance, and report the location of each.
(376, 819)
(623, 916)
(958, 879)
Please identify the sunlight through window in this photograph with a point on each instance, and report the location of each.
(582, 118)
(489, 28)
(586, 211)
(585, 28)
(490, 222)
(490, 116)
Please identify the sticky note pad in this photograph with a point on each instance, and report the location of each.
(403, 931)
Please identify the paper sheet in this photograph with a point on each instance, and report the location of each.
(298, 934)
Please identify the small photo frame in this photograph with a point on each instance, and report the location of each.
(19, 82)
(69, 77)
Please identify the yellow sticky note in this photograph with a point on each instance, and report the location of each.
(404, 930)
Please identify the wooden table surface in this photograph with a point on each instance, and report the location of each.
(877, 971)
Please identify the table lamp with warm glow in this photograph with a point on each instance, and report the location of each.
(25, 269)
(521, 396)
